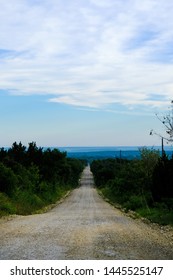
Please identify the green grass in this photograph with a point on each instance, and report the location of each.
(26, 203)
(6, 205)
(158, 213)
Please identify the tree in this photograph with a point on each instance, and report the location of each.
(34, 154)
(167, 121)
(8, 180)
(17, 152)
(149, 159)
(162, 186)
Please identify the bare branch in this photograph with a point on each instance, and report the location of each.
(167, 121)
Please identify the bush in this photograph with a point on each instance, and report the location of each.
(8, 180)
(157, 215)
(135, 202)
(138, 184)
(6, 206)
(27, 202)
(162, 187)
(33, 177)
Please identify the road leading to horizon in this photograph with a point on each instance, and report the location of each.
(83, 226)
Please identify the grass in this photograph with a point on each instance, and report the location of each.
(7, 207)
(26, 202)
(158, 213)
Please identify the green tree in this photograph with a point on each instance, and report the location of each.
(8, 180)
(34, 154)
(17, 152)
(149, 159)
(162, 187)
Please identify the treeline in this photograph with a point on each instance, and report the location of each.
(144, 186)
(32, 177)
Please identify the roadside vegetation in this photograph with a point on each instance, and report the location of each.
(32, 178)
(144, 186)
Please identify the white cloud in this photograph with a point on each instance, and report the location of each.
(88, 53)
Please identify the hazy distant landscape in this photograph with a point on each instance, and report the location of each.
(124, 152)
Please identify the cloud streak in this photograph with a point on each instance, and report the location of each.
(94, 54)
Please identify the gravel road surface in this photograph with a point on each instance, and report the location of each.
(83, 226)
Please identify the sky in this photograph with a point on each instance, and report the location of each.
(85, 72)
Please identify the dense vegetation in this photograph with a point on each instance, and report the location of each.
(32, 177)
(144, 185)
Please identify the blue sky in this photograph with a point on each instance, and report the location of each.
(84, 72)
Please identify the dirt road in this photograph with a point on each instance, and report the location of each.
(83, 227)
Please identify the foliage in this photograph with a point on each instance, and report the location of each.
(32, 177)
(138, 185)
(8, 180)
(6, 205)
(162, 187)
(167, 121)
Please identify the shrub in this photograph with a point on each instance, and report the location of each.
(27, 202)
(6, 206)
(8, 180)
(33, 177)
(135, 202)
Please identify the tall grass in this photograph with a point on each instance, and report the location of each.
(156, 212)
(6, 205)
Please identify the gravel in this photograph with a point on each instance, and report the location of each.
(83, 226)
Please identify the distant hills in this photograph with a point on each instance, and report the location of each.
(92, 153)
